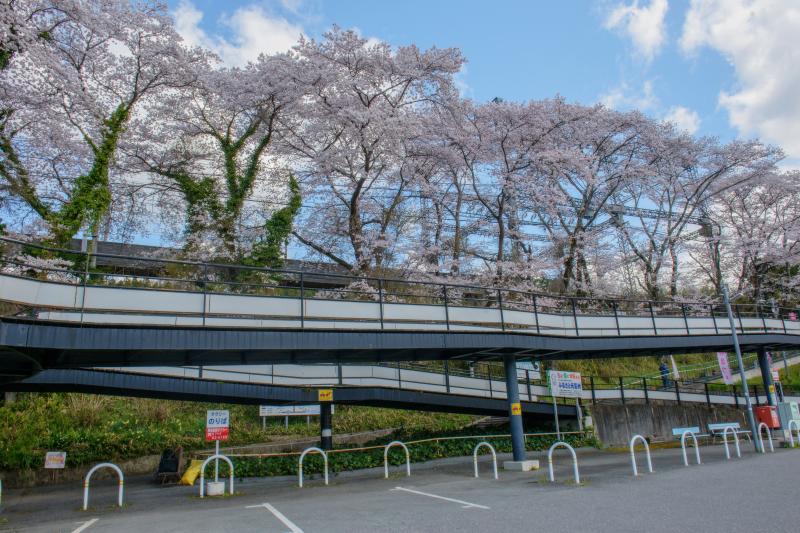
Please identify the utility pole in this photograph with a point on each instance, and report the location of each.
(746, 389)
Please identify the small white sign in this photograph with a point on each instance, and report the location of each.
(55, 459)
(217, 424)
(529, 369)
(565, 384)
(290, 410)
(725, 368)
(776, 375)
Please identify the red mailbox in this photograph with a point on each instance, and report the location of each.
(769, 415)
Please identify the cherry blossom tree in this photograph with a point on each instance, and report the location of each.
(352, 143)
(218, 144)
(69, 95)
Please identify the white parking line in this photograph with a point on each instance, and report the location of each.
(466, 505)
(85, 525)
(279, 515)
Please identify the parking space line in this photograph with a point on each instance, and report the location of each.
(466, 505)
(279, 515)
(85, 525)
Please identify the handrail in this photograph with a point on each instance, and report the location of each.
(91, 471)
(303, 455)
(761, 438)
(384, 280)
(683, 447)
(386, 458)
(736, 440)
(203, 473)
(796, 427)
(562, 444)
(647, 454)
(475, 457)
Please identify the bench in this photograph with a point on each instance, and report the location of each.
(715, 430)
(678, 432)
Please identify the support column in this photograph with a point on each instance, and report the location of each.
(766, 376)
(325, 424)
(515, 419)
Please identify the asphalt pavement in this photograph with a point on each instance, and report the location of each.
(752, 494)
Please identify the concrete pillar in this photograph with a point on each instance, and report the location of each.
(326, 426)
(766, 376)
(514, 409)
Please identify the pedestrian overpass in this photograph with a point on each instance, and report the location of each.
(147, 312)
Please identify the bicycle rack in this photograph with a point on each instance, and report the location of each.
(95, 468)
(475, 457)
(203, 473)
(303, 455)
(736, 440)
(562, 444)
(683, 447)
(647, 454)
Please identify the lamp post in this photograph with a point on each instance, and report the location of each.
(750, 417)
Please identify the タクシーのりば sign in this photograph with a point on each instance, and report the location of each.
(217, 424)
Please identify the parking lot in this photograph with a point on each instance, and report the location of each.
(754, 493)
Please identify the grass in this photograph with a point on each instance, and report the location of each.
(94, 428)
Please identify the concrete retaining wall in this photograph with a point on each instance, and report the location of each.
(615, 424)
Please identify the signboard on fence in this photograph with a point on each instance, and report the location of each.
(529, 369)
(55, 459)
(289, 410)
(725, 368)
(217, 425)
(565, 384)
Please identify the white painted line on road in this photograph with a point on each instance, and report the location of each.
(85, 525)
(279, 515)
(466, 505)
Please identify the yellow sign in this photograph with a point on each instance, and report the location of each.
(516, 409)
(325, 395)
(772, 389)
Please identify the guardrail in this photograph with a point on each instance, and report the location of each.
(483, 380)
(188, 293)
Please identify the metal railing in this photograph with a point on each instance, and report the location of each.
(528, 308)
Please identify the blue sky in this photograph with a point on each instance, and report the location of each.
(725, 68)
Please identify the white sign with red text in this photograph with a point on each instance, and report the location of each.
(217, 424)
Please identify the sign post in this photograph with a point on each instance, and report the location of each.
(564, 385)
(217, 428)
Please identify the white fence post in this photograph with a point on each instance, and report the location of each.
(683, 447)
(386, 458)
(574, 461)
(647, 453)
(761, 438)
(796, 427)
(89, 476)
(324, 460)
(736, 440)
(203, 473)
(475, 457)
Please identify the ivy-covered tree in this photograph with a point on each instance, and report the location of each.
(68, 96)
(217, 145)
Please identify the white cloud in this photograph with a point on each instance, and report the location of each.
(253, 32)
(624, 97)
(643, 25)
(686, 119)
(761, 40)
